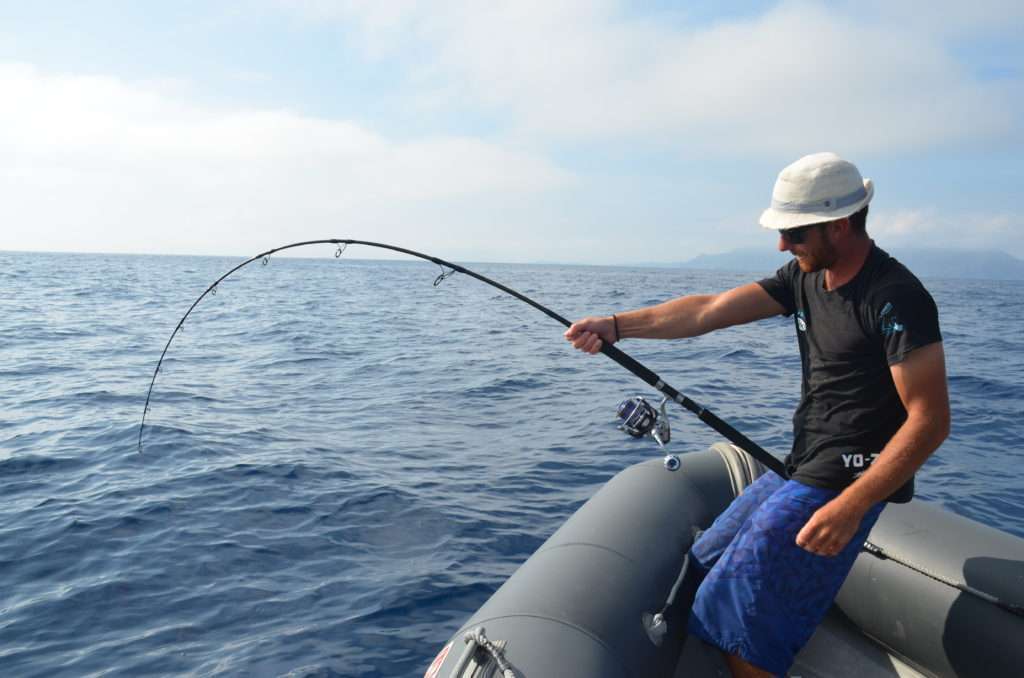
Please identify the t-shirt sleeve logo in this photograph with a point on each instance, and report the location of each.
(890, 323)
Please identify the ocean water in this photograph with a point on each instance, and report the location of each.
(342, 462)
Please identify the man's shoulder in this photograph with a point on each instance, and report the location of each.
(894, 299)
(886, 274)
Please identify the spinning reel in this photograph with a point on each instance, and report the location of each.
(640, 418)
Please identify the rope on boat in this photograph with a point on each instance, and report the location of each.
(882, 554)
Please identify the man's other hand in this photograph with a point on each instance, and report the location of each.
(830, 529)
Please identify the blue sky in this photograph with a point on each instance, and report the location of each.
(566, 130)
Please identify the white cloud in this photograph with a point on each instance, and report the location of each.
(148, 171)
(932, 228)
(802, 75)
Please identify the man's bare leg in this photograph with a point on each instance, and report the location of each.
(741, 668)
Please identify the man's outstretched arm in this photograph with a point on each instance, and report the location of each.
(921, 383)
(681, 317)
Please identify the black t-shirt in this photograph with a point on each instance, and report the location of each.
(849, 407)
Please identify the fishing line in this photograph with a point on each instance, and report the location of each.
(616, 354)
(447, 270)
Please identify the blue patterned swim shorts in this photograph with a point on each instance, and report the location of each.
(763, 595)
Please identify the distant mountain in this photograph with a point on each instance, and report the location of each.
(924, 262)
(744, 260)
(977, 264)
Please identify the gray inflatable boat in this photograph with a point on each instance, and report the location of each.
(932, 594)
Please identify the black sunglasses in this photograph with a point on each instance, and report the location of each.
(797, 236)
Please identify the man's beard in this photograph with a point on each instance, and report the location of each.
(821, 257)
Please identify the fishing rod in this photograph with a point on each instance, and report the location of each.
(616, 354)
(619, 356)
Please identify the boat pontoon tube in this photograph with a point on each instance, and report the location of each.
(581, 605)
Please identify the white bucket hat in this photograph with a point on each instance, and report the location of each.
(816, 188)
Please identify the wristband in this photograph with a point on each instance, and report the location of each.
(615, 322)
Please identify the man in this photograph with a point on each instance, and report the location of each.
(873, 407)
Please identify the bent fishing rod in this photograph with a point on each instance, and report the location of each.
(616, 354)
